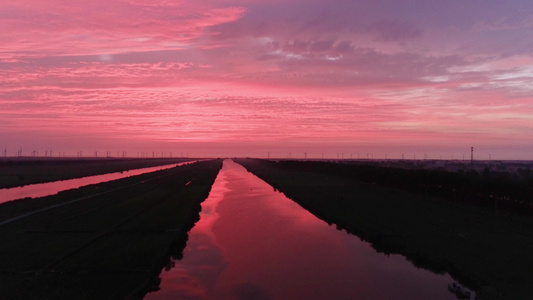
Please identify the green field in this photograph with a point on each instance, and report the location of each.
(103, 241)
(489, 252)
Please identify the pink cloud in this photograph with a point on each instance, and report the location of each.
(270, 74)
(103, 27)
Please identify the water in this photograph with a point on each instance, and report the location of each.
(254, 243)
(51, 188)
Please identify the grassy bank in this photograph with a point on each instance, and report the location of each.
(112, 245)
(489, 252)
(19, 172)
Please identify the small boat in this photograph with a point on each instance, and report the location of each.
(459, 291)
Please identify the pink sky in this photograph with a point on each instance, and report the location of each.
(249, 77)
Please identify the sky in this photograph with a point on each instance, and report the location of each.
(277, 78)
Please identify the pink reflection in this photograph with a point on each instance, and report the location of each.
(195, 276)
(254, 243)
(51, 188)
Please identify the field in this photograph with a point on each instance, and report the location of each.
(21, 171)
(109, 240)
(488, 250)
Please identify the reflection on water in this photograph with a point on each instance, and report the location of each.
(51, 188)
(253, 243)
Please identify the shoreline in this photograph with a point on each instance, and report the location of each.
(490, 254)
(17, 173)
(112, 245)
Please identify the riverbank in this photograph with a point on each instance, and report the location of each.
(489, 252)
(254, 243)
(23, 171)
(108, 240)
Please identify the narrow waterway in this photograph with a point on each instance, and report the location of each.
(254, 243)
(51, 188)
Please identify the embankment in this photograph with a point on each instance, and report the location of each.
(105, 241)
(19, 172)
(489, 252)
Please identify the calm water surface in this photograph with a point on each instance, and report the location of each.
(51, 188)
(254, 243)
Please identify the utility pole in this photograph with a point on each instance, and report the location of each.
(472, 156)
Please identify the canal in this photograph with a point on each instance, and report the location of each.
(51, 188)
(252, 242)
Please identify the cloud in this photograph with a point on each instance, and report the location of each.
(266, 71)
(102, 27)
(394, 30)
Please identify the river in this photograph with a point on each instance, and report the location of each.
(51, 188)
(252, 242)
